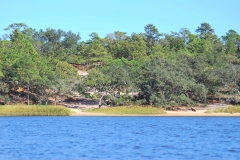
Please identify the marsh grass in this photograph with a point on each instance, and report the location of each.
(231, 110)
(33, 110)
(128, 110)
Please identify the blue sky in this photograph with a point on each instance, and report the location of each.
(107, 16)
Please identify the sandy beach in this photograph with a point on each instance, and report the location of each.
(198, 113)
(78, 106)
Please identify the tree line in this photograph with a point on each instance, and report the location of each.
(150, 68)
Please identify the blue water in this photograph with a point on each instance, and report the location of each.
(120, 138)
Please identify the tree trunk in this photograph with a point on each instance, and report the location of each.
(100, 102)
(28, 94)
(55, 102)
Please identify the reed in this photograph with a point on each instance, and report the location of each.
(235, 109)
(33, 110)
(128, 110)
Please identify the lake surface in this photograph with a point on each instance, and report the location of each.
(119, 138)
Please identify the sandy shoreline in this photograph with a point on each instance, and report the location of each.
(198, 113)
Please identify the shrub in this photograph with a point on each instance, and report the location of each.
(128, 110)
(235, 109)
(33, 110)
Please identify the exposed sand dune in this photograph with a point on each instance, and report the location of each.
(82, 73)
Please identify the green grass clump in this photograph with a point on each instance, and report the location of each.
(127, 110)
(225, 110)
(33, 110)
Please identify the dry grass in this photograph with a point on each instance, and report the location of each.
(231, 110)
(33, 110)
(128, 110)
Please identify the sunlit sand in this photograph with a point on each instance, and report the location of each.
(198, 113)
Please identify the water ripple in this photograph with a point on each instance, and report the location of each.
(119, 138)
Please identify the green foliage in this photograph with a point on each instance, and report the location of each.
(4, 90)
(58, 44)
(173, 42)
(180, 68)
(164, 81)
(64, 70)
(117, 44)
(229, 77)
(110, 82)
(205, 68)
(205, 31)
(152, 36)
(232, 42)
(120, 77)
(93, 51)
(97, 80)
(137, 48)
(183, 100)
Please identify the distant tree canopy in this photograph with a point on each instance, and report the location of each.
(180, 68)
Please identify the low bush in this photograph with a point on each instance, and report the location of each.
(128, 110)
(235, 109)
(33, 110)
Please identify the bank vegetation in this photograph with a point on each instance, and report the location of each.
(149, 68)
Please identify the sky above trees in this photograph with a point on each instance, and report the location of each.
(107, 16)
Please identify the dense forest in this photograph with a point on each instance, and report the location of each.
(148, 68)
